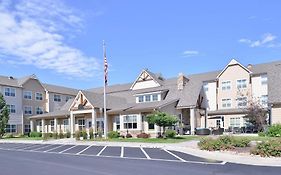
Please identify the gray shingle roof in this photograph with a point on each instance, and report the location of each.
(60, 89)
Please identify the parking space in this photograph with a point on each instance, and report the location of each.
(108, 151)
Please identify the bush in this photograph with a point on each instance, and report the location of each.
(68, 134)
(223, 143)
(9, 135)
(262, 134)
(91, 133)
(61, 135)
(84, 134)
(55, 135)
(35, 134)
(170, 133)
(113, 134)
(128, 135)
(77, 135)
(46, 136)
(274, 131)
(143, 135)
(268, 148)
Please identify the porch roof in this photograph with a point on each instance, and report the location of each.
(55, 114)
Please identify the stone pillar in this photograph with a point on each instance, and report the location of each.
(56, 125)
(192, 121)
(31, 125)
(72, 124)
(43, 126)
(94, 116)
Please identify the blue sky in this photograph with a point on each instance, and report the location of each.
(61, 41)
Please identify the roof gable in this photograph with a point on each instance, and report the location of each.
(146, 79)
(80, 102)
(232, 63)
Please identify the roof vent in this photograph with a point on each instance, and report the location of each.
(11, 78)
(250, 66)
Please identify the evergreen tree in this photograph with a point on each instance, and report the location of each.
(4, 115)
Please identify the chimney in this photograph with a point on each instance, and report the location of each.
(182, 80)
(250, 66)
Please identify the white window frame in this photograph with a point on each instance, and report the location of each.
(36, 96)
(117, 123)
(65, 125)
(226, 104)
(148, 97)
(10, 93)
(82, 125)
(57, 98)
(235, 121)
(130, 119)
(25, 110)
(12, 110)
(242, 102)
(41, 110)
(52, 125)
(241, 85)
(226, 85)
(26, 97)
(157, 97)
(11, 128)
(264, 100)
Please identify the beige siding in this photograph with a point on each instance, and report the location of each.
(276, 115)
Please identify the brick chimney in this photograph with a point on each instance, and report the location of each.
(182, 80)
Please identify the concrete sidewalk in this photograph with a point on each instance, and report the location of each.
(189, 147)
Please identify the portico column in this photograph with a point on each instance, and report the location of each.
(192, 121)
(94, 116)
(72, 119)
(56, 125)
(31, 125)
(43, 125)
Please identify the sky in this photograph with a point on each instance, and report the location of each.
(60, 41)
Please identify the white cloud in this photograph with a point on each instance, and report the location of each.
(189, 53)
(33, 32)
(267, 40)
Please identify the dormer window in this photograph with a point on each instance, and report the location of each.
(148, 97)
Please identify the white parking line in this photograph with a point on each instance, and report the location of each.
(30, 146)
(41, 147)
(122, 152)
(175, 155)
(146, 155)
(67, 149)
(101, 151)
(16, 147)
(53, 148)
(84, 149)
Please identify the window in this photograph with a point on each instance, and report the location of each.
(147, 98)
(130, 122)
(52, 123)
(218, 123)
(140, 99)
(241, 83)
(117, 122)
(39, 110)
(150, 126)
(235, 121)
(81, 124)
(38, 96)
(155, 97)
(67, 98)
(263, 100)
(26, 128)
(10, 92)
(27, 95)
(28, 110)
(226, 85)
(65, 125)
(205, 87)
(242, 101)
(57, 98)
(12, 109)
(226, 103)
(263, 79)
(11, 128)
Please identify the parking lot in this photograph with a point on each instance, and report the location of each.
(108, 151)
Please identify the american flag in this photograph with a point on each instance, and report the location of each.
(105, 68)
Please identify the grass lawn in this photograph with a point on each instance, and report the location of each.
(23, 138)
(177, 139)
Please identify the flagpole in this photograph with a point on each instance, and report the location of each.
(104, 93)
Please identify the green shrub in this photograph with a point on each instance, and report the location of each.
(55, 135)
(170, 133)
(91, 133)
(268, 148)
(46, 136)
(84, 134)
(274, 131)
(35, 134)
(68, 134)
(113, 134)
(61, 135)
(223, 143)
(77, 135)
(143, 135)
(262, 134)
(9, 135)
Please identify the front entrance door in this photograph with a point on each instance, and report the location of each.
(100, 125)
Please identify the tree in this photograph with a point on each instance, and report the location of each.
(4, 115)
(161, 119)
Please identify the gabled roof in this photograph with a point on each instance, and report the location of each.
(155, 77)
(231, 63)
(60, 89)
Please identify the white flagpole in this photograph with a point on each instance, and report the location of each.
(104, 96)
